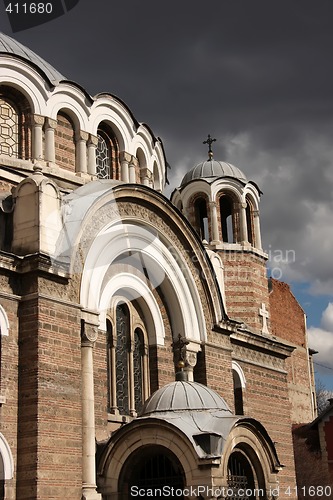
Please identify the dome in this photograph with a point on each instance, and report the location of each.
(179, 396)
(213, 169)
(10, 46)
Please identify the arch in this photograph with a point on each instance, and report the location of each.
(107, 153)
(151, 467)
(6, 460)
(4, 323)
(239, 384)
(229, 205)
(15, 123)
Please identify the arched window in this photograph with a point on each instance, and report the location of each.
(152, 467)
(239, 387)
(15, 129)
(227, 219)
(201, 218)
(127, 362)
(138, 352)
(9, 129)
(241, 476)
(249, 221)
(107, 154)
(103, 156)
(123, 325)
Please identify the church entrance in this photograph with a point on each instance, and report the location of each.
(242, 478)
(152, 472)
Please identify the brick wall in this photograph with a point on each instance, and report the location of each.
(246, 286)
(64, 138)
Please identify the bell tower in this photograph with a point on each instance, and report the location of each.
(223, 207)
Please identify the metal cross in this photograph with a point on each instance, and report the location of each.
(209, 142)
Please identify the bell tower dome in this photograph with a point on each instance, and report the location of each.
(222, 205)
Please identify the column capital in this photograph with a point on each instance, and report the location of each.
(92, 140)
(38, 120)
(256, 213)
(89, 328)
(50, 123)
(212, 203)
(80, 135)
(146, 173)
(134, 161)
(124, 156)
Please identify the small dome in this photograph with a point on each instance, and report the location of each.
(179, 396)
(213, 169)
(10, 46)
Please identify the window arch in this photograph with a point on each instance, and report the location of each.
(15, 124)
(250, 221)
(127, 361)
(239, 385)
(4, 323)
(201, 218)
(228, 219)
(107, 154)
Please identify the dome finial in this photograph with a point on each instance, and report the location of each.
(209, 142)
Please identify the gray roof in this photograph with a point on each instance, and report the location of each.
(10, 46)
(179, 396)
(213, 169)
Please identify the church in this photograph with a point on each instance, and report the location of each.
(144, 351)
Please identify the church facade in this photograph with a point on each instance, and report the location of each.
(109, 289)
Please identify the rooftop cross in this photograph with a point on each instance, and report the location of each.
(209, 142)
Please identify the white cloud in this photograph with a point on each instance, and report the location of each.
(321, 339)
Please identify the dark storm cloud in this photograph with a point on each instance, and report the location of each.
(257, 75)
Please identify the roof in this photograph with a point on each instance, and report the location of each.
(213, 169)
(10, 46)
(183, 395)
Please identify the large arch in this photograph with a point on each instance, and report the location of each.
(6, 460)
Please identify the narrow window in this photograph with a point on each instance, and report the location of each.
(201, 218)
(9, 129)
(226, 211)
(122, 319)
(238, 394)
(103, 156)
(249, 222)
(138, 369)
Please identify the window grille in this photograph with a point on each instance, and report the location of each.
(122, 318)
(9, 136)
(103, 157)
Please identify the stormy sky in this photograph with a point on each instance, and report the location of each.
(255, 74)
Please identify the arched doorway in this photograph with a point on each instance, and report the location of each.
(245, 476)
(151, 472)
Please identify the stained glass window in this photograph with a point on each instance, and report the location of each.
(137, 369)
(9, 137)
(103, 156)
(122, 317)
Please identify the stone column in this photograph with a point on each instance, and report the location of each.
(215, 237)
(88, 338)
(146, 177)
(124, 161)
(37, 144)
(243, 223)
(92, 146)
(50, 127)
(257, 235)
(81, 139)
(131, 170)
(191, 350)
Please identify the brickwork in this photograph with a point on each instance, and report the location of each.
(288, 323)
(9, 386)
(64, 138)
(246, 286)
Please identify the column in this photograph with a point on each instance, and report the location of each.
(131, 396)
(215, 237)
(257, 235)
(124, 161)
(81, 139)
(50, 126)
(88, 338)
(131, 170)
(146, 177)
(190, 362)
(243, 223)
(92, 146)
(37, 145)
